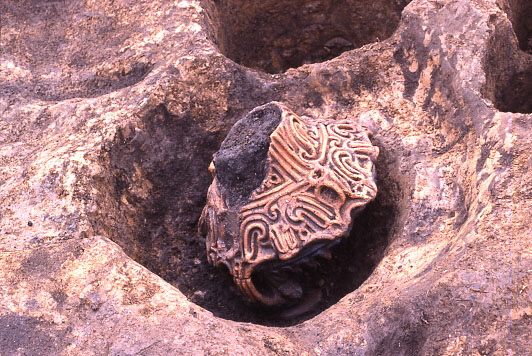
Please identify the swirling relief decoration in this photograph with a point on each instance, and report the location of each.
(317, 172)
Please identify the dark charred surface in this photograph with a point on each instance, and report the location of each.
(240, 162)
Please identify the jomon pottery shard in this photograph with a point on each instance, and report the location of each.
(285, 190)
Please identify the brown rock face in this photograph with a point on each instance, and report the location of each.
(111, 111)
(313, 176)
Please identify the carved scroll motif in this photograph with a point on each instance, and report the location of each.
(317, 173)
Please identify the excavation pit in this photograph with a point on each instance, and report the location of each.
(273, 36)
(151, 202)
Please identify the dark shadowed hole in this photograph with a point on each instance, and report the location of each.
(516, 94)
(508, 66)
(273, 35)
(520, 14)
(152, 197)
(329, 194)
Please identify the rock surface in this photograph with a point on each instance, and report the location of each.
(110, 114)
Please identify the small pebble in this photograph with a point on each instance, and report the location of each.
(199, 294)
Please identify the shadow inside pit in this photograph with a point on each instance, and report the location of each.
(153, 195)
(508, 65)
(273, 35)
(519, 12)
(353, 261)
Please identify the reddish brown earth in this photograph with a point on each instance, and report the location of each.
(110, 114)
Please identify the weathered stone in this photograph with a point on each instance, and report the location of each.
(285, 188)
(110, 112)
